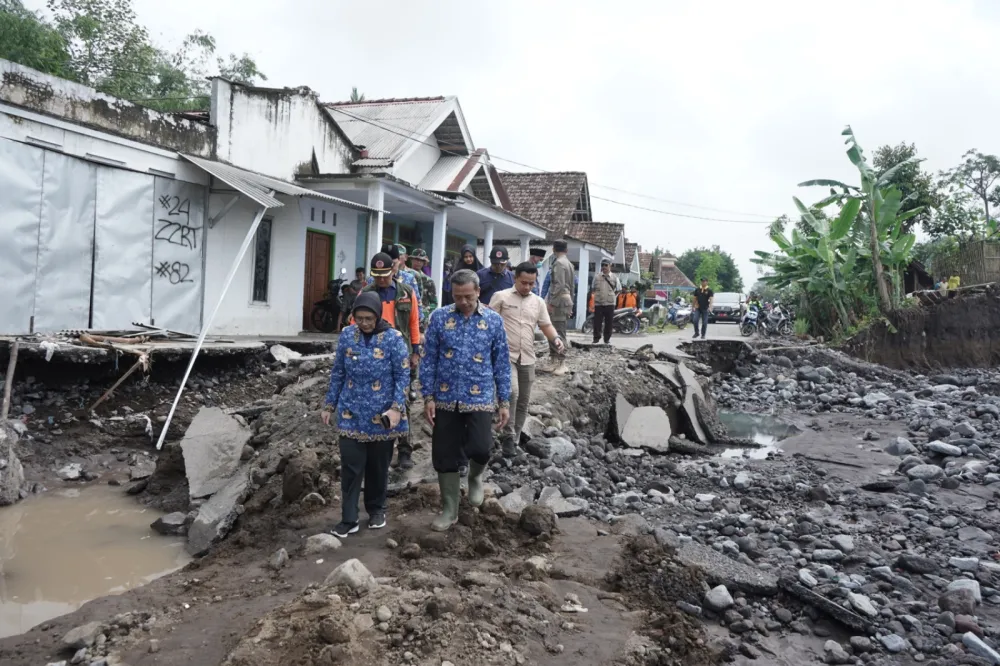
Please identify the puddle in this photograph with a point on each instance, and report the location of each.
(66, 547)
(765, 430)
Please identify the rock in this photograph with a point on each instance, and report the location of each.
(410, 551)
(971, 533)
(834, 653)
(894, 643)
(844, 543)
(142, 469)
(560, 449)
(83, 636)
(718, 598)
(283, 354)
(648, 428)
(561, 506)
(875, 398)
(960, 601)
(533, 427)
(967, 584)
(216, 516)
(827, 555)
(977, 647)
(916, 563)
(944, 448)
(970, 564)
(383, 614)
(212, 447)
(537, 520)
(516, 501)
(900, 446)
(70, 472)
(721, 570)
(172, 524)
(321, 543)
(925, 472)
(279, 559)
(299, 477)
(11, 470)
(807, 579)
(354, 576)
(861, 644)
(334, 630)
(846, 617)
(741, 481)
(862, 604)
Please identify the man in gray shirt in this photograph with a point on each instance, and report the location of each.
(606, 287)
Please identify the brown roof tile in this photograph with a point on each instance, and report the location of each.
(630, 250)
(646, 262)
(548, 199)
(672, 276)
(601, 234)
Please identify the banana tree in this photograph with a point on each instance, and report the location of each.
(880, 204)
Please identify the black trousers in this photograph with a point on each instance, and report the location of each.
(367, 461)
(460, 436)
(603, 316)
(403, 444)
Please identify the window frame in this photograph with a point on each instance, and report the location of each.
(253, 264)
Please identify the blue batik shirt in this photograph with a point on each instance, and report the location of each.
(370, 375)
(490, 283)
(466, 363)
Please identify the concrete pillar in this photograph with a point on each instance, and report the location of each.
(376, 199)
(581, 290)
(438, 249)
(487, 242)
(525, 246)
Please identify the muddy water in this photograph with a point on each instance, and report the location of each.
(66, 547)
(765, 430)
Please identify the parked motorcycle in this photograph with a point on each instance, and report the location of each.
(748, 325)
(625, 321)
(326, 313)
(679, 315)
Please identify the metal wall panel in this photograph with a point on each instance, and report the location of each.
(178, 249)
(65, 244)
(20, 203)
(123, 279)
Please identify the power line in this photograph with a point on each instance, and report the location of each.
(388, 128)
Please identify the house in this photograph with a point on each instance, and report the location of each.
(560, 202)
(670, 279)
(632, 271)
(239, 216)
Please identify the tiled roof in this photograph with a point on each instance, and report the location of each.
(601, 234)
(385, 127)
(672, 276)
(646, 262)
(630, 250)
(547, 199)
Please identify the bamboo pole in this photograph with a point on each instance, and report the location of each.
(9, 381)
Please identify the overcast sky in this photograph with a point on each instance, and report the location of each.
(726, 104)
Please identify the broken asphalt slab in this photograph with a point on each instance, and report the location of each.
(562, 506)
(722, 570)
(846, 617)
(667, 372)
(648, 428)
(212, 447)
(692, 393)
(216, 516)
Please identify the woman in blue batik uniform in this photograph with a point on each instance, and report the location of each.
(368, 383)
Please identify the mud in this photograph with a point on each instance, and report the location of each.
(961, 332)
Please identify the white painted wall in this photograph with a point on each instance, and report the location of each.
(282, 314)
(276, 132)
(418, 164)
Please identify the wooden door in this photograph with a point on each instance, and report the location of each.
(319, 253)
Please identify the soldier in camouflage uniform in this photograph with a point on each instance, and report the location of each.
(428, 290)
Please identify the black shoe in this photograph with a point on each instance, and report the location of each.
(703, 337)
(342, 530)
(405, 460)
(463, 470)
(376, 522)
(508, 448)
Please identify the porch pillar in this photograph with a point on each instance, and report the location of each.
(583, 273)
(487, 241)
(525, 246)
(438, 250)
(376, 200)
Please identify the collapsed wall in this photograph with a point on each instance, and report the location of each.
(960, 331)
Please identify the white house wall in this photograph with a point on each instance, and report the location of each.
(276, 132)
(418, 163)
(282, 314)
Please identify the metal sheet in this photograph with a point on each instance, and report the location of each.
(178, 247)
(123, 279)
(65, 244)
(20, 205)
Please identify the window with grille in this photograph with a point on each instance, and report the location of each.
(262, 261)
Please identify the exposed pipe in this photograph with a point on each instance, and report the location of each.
(208, 324)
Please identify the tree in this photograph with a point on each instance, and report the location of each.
(708, 269)
(355, 96)
(916, 185)
(978, 174)
(28, 40)
(727, 273)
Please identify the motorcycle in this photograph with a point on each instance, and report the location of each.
(625, 321)
(772, 321)
(679, 315)
(326, 313)
(748, 325)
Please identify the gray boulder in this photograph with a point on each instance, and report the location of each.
(83, 636)
(212, 447)
(900, 446)
(216, 516)
(353, 575)
(925, 472)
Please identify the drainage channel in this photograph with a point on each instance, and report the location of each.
(765, 430)
(63, 548)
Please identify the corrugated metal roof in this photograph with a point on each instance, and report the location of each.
(259, 187)
(443, 172)
(385, 128)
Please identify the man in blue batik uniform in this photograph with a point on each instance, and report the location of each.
(464, 378)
